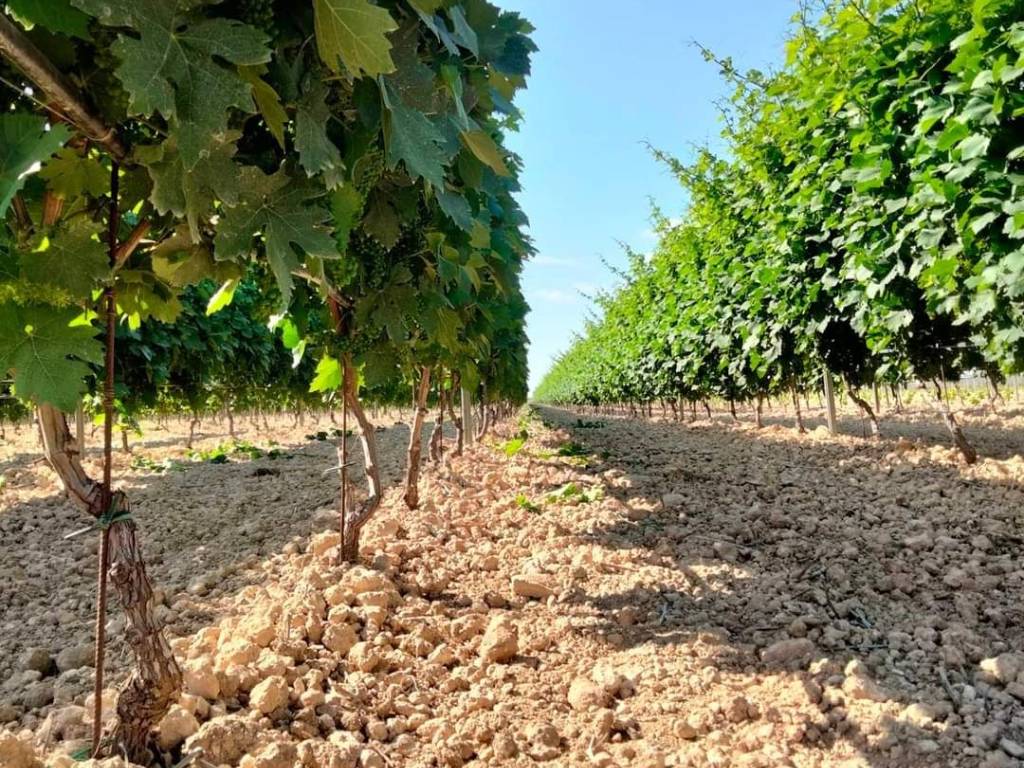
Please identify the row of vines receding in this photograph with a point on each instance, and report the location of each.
(252, 205)
(866, 220)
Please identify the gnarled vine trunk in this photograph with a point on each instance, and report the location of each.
(412, 469)
(796, 411)
(155, 683)
(456, 417)
(759, 411)
(959, 438)
(437, 433)
(863, 405)
(368, 440)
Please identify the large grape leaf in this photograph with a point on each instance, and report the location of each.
(354, 33)
(174, 65)
(456, 207)
(190, 192)
(346, 207)
(24, 143)
(47, 353)
(486, 150)
(267, 101)
(71, 258)
(53, 15)
(328, 375)
(278, 207)
(413, 139)
(69, 175)
(464, 34)
(179, 261)
(317, 153)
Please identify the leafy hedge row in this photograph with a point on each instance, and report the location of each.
(868, 218)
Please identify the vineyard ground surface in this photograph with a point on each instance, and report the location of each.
(666, 594)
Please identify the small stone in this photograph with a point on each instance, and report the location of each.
(280, 754)
(339, 638)
(920, 542)
(17, 753)
(500, 642)
(1016, 690)
(224, 739)
(536, 585)
(1003, 668)
(859, 684)
(1011, 747)
(726, 550)
(364, 657)
(39, 660)
(75, 657)
(627, 616)
(919, 714)
(685, 730)
(200, 680)
(784, 653)
(585, 694)
(177, 725)
(269, 695)
(985, 736)
(38, 695)
(64, 724)
(370, 758)
(359, 580)
(672, 500)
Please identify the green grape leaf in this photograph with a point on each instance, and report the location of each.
(486, 150)
(317, 153)
(72, 258)
(190, 192)
(276, 206)
(53, 15)
(413, 140)
(179, 261)
(328, 375)
(48, 350)
(174, 65)
(24, 143)
(436, 24)
(222, 297)
(456, 207)
(69, 175)
(379, 368)
(975, 145)
(464, 34)
(267, 101)
(412, 81)
(354, 33)
(381, 221)
(141, 295)
(346, 206)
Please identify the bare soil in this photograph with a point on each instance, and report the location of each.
(675, 594)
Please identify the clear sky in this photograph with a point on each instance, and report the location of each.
(611, 75)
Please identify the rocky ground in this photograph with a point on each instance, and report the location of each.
(616, 593)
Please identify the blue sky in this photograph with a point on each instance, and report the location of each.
(611, 75)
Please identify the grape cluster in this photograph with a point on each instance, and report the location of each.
(368, 170)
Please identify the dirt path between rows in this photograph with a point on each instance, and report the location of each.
(611, 593)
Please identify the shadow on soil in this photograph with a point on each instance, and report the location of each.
(750, 537)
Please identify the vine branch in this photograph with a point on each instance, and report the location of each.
(67, 101)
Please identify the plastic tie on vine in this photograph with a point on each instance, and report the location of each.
(103, 522)
(337, 468)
